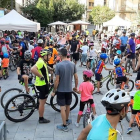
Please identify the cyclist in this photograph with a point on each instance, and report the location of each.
(104, 126)
(138, 63)
(136, 106)
(117, 42)
(98, 70)
(5, 62)
(119, 74)
(42, 81)
(86, 90)
(24, 70)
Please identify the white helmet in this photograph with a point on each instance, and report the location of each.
(27, 55)
(40, 41)
(115, 100)
(138, 47)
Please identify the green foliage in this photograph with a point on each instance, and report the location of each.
(47, 11)
(6, 4)
(101, 14)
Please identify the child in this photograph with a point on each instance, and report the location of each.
(104, 46)
(86, 90)
(0, 69)
(136, 106)
(5, 62)
(99, 68)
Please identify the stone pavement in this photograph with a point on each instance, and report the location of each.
(32, 130)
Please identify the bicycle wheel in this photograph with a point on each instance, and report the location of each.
(85, 119)
(110, 84)
(127, 66)
(13, 66)
(49, 96)
(131, 85)
(19, 108)
(8, 94)
(56, 107)
(106, 60)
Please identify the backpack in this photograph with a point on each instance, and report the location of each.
(36, 56)
(4, 49)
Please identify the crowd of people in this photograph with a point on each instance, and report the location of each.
(43, 53)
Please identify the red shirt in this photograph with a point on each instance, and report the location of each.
(100, 67)
(137, 41)
(38, 49)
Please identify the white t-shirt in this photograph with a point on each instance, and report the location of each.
(92, 53)
(31, 47)
(0, 61)
(104, 45)
(85, 49)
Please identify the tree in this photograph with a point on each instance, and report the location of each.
(6, 4)
(101, 14)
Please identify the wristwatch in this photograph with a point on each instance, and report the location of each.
(42, 78)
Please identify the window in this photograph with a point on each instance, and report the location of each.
(91, 3)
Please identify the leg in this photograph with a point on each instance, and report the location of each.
(26, 77)
(67, 111)
(132, 119)
(133, 64)
(41, 107)
(98, 86)
(63, 114)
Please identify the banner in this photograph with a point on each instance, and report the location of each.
(1, 13)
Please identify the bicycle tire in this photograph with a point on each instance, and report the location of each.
(127, 66)
(85, 119)
(23, 119)
(107, 84)
(13, 67)
(5, 93)
(106, 60)
(132, 85)
(48, 101)
(71, 108)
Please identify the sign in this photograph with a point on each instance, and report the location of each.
(1, 13)
(98, 2)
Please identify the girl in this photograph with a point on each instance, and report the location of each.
(86, 90)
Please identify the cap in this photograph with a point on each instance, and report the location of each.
(132, 34)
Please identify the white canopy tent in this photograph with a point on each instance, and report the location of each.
(14, 21)
(57, 23)
(117, 21)
(79, 22)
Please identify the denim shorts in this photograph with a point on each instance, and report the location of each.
(84, 58)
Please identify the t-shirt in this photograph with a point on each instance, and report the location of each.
(100, 67)
(25, 67)
(54, 53)
(65, 70)
(138, 41)
(124, 40)
(92, 53)
(43, 70)
(104, 44)
(119, 71)
(84, 49)
(86, 89)
(74, 45)
(31, 47)
(5, 62)
(132, 45)
(36, 49)
(136, 105)
(102, 129)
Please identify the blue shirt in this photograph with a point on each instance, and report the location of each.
(132, 45)
(124, 40)
(102, 129)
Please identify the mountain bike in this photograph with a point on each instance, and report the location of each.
(88, 117)
(129, 112)
(5, 74)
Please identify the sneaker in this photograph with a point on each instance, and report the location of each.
(62, 128)
(44, 121)
(76, 124)
(68, 122)
(129, 130)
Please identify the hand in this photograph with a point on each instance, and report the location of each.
(53, 94)
(42, 78)
(75, 89)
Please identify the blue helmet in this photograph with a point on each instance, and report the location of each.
(103, 56)
(117, 61)
(118, 52)
(5, 55)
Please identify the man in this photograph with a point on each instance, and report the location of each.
(104, 126)
(124, 40)
(117, 42)
(24, 70)
(63, 87)
(93, 34)
(131, 50)
(42, 82)
(74, 46)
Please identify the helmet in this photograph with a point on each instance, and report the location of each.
(132, 34)
(45, 52)
(88, 73)
(5, 55)
(115, 100)
(137, 84)
(2, 40)
(138, 47)
(40, 41)
(117, 61)
(103, 56)
(27, 55)
(118, 52)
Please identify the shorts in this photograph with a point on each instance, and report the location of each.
(123, 47)
(134, 112)
(50, 65)
(132, 56)
(98, 76)
(84, 58)
(64, 98)
(82, 104)
(5, 68)
(75, 56)
(43, 91)
(121, 79)
(89, 60)
(0, 67)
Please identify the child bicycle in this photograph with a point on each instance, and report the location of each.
(5, 74)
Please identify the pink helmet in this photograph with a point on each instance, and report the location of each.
(88, 73)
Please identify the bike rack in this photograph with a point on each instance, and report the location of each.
(3, 133)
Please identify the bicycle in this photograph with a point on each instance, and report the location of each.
(88, 117)
(129, 112)
(5, 74)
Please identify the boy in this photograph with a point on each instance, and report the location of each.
(5, 62)
(99, 68)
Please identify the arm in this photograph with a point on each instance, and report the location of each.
(107, 68)
(18, 70)
(76, 80)
(34, 70)
(56, 83)
(84, 133)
